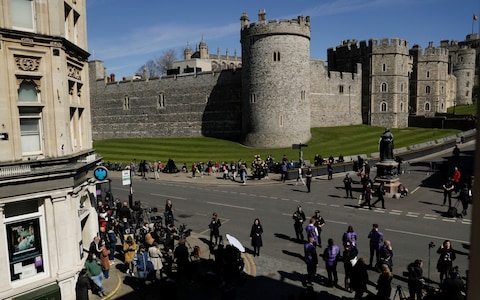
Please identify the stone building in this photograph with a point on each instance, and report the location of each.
(272, 101)
(46, 156)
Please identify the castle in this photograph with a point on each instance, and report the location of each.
(277, 93)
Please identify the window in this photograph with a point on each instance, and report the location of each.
(383, 106)
(276, 56)
(30, 131)
(384, 67)
(161, 101)
(126, 103)
(427, 106)
(427, 90)
(253, 98)
(401, 87)
(27, 92)
(383, 87)
(302, 95)
(340, 89)
(280, 120)
(24, 227)
(402, 107)
(428, 74)
(22, 14)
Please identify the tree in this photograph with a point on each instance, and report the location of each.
(165, 62)
(149, 69)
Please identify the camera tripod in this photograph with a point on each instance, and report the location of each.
(400, 294)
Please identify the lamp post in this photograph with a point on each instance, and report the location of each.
(454, 105)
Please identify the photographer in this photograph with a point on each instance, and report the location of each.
(415, 279)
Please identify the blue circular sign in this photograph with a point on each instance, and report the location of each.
(100, 173)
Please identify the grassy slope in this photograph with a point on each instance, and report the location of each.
(348, 140)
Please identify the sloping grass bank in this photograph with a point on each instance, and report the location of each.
(346, 140)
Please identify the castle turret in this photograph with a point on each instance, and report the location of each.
(428, 94)
(187, 53)
(275, 102)
(202, 48)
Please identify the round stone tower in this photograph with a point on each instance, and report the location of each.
(275, 81)
(464, 69)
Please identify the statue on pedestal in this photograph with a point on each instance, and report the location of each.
(386, 146)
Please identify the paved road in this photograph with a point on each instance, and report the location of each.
(410, 223)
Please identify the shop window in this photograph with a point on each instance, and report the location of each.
(24, 229)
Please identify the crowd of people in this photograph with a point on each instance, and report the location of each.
(451, 285)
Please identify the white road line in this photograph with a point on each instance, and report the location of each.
(429, 236)
(429, 218)
(449, 220)
(228, 205)
(286, 199)
(334, 205)
(412, 216)
(416, 189)
(167, 196)
(395, 213)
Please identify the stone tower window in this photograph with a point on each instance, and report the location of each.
(384, 67)
(401, 87)
(467, 84)
(126, 103)
(427, 90)
(302, 95)
(161, 101)
(253, 98)
(276, 56)
(427, 106)
(402, 107)
(384, 87)
(383, 106)
(280, 120)
(340, 89)
(428, 74)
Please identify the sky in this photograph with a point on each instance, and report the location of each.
(126, 34)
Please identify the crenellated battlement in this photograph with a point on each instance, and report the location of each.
(298, 26)
(431, 53)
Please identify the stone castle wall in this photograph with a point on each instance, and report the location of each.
(186, 106)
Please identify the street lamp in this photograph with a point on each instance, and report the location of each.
(454, 105)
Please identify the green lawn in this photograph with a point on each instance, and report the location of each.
(347, 140)
(464, 109)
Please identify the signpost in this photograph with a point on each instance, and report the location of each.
(300, 152)
(127, 180)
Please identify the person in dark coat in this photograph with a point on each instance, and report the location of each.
(349, 260)
(82, 286)
(453, 287)
(214, 228)
(299, 217)
(445, 260)
(415, 279)
(347, 181)
(308, 176)
(464, 198)
(380, 192)
(256, 237)
(359, 279)
(384, 283)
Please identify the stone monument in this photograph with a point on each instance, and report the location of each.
(387, 167)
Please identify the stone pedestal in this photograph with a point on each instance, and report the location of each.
(387, 174)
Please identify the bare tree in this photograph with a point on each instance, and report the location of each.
(165, 62)
(149, 69)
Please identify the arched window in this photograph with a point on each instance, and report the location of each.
(384, 67)
(384, 87)
(27, 92)
(402, 107)
(427, 106)
(383, 106)
(427, 90)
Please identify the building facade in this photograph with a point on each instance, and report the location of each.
(47, 191)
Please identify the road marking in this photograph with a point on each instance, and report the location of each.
(334, 205)
(229, 205)
(449, 220)
(429, 236)
(416, 189)
(395, 213)
(429, 218)
(336, 222)
(167, 196)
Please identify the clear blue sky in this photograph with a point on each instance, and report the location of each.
(126, 34)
